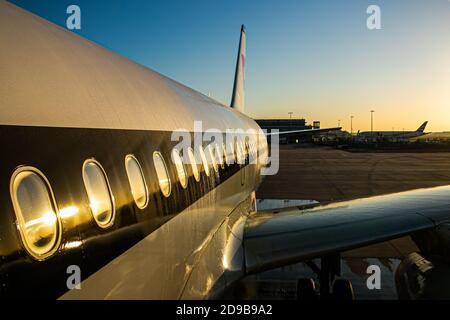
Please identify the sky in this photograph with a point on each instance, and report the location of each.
(315, 58)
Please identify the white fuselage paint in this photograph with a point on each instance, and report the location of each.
(52, 77)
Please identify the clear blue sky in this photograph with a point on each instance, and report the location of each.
(313, 57)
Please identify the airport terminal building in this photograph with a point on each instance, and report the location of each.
(286, 124)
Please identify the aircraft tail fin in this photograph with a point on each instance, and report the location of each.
(422, 127)
(238, 98)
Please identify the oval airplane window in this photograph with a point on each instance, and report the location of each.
(212, 157)
(204, 160)
(136, 179)
(101, 200)
(194, 165)
(244, 150)
(231, 154)
(247, 150)
(178, 161)
(239, 152)
(219, 155)
(253, 152)
(36, 212)
(225, 154)
(162, 173)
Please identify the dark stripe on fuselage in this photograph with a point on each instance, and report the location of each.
(59, 153)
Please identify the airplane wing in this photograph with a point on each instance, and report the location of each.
(302, 132)
(272, 240)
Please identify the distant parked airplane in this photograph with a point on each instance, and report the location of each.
(394, 134)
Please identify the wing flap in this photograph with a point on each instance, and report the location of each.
(276, 205)
(273, 240)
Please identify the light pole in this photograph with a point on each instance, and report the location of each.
(339, 123)
(351, 125)
(290, 114)
(371, 120)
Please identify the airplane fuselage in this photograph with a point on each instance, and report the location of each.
(390, 134)
(72, 114)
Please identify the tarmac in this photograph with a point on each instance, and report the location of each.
(326, 174)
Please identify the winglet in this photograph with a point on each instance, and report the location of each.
(238, 98)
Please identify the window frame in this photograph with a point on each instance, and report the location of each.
(186, 177)
(194, 164)
(240, 156)
(159, 154)
(111, 195)
(212, 157)
(247, 150)
(231, 156)
(204, 159)
(147, 194)
(16, 207)
(219, 154)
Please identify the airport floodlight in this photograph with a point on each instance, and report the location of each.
(351, 125)
(371, 120)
